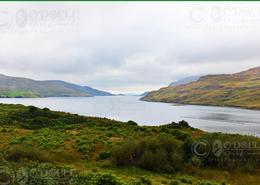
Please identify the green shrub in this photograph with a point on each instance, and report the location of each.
(44, 138)
(187, 146)
(104, 155)
(186, 180)
(21, 153)
(123, 154)
(162, 154)
(153, 160)
(175, 182)
(196, 161)
(133, 123)
(83, 147)
(46, 109)
(142, 181)
(184, 124)
(206, 183)
(105, 179)
(32, 109)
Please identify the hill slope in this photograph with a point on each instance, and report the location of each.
(238, 90)
(24, 87)
(39, 146)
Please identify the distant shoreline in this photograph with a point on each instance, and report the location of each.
(223, 106)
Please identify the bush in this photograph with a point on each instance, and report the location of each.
(175, 182)
(196, 161)
(187, 146)
(184, 124)
(206, 183)
(46, 109)
(20, 153)
(153, 161)
(105, 179)
(143, 181)
(83, 147)
(186, 180)
(32, 109)
(40, 122)
(162, 154)
(130, 122)
(104, 155)
(123, 155)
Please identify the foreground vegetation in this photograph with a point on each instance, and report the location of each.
(238, 90)
(50, 147)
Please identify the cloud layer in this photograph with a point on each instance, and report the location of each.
(127, 47)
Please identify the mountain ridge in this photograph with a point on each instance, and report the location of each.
(20, 87)
(240, 89)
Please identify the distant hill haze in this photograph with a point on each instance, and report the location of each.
(239, 90)
(144, 93)
(185, 80)
(28, 88)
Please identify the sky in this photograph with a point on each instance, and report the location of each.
(127, 47)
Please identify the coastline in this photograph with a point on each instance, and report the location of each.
(202, 104)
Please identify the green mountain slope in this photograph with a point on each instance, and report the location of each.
(238, 90)
(23, 87)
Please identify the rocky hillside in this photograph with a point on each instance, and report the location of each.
(239, 90)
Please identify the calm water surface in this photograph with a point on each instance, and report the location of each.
(124, 108)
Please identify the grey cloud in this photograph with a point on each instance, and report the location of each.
(131, 46)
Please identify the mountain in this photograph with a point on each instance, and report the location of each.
(24, 87)
(144, 94)
(185, 80)
(239, 90)
(95, 92)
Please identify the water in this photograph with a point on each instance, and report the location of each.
(124, 108)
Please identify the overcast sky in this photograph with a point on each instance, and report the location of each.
(127, 47)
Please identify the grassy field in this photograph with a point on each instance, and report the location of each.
(237, 90)
(50, 147)
(16, 94)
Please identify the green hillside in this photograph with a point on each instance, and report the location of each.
(238, 90)
(39, 146)
(16, 87)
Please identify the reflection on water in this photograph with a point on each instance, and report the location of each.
(228, 118)
(218, 116)
(124, 108)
